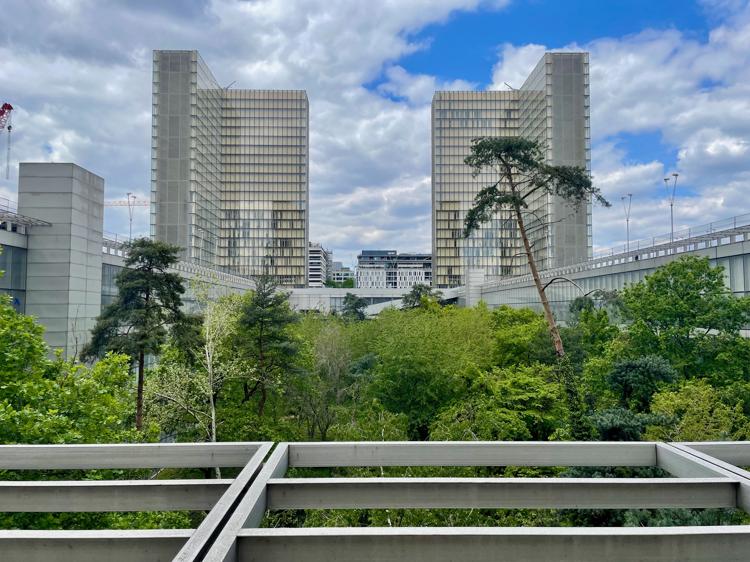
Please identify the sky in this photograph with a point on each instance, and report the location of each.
(670, 92)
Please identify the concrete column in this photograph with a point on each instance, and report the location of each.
(474, 278)
(64, 271)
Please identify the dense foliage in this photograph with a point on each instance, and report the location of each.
(674, 366)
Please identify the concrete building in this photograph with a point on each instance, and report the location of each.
(341, 274)
(726, 243)
(319, 265)
(57, 264)
(229, 171)
(64, 257)
(552, 107)
(387, 269)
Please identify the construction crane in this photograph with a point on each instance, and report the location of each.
(131, 201)
(5, 113)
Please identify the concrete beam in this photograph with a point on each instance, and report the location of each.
(736, 453)
(496, 493)
(474, 453)
(145, 455)
(200, 541)
(79, 546)
(530, 544)
(110, 495)
(251, 508)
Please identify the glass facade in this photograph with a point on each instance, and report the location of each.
(554, 110)
(229, 171)
(265, 184)
(13, 275)
(551, 107)
(458, 117)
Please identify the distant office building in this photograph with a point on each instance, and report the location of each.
(552, 107)
(319, 265)
(229, 171)
(341, 274)
(387, 269)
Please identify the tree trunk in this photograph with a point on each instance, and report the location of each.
(553, 330)
(262, 401)
(139, 396)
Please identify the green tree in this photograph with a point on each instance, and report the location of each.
(697, 412)
(685, 313)
(46, 400)
(345, 284)
(420, 295)
(354, 307)
(521, 173)
(321, 390)
(147, 305)
(513, 403)
(634, 381)
(264, 339)
(184, 387)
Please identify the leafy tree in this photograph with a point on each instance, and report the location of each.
(697, 412)
(684, 312)
(264, 339)
(354, 307)
(521, 337)
(514, 403)
(321, 391)
(634, 381)
(419, 295)
(518, 165)
(345, 284)
(184, 388)
(147, 305)
(46, 400)
(423, 359)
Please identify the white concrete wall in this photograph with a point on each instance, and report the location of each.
(64, 271)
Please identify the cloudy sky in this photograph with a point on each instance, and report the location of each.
(670, 91)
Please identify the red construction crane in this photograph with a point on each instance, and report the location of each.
(5, 112)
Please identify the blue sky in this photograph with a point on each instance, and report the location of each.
(670, 91)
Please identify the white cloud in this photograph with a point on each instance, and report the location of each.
(79, 74)
(82, 82)
(514, 65)
(692, 94)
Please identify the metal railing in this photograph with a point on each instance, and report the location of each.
(732, 223)
(701, 476)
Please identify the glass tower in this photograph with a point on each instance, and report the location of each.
(551, 107)
(229, 171)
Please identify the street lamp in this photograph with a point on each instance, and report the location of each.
(671, 202)
(626, 207)
(131, 200)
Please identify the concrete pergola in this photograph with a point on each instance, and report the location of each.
(703, 475)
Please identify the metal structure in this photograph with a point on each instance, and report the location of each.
(131, 201)
(703, 475)
(626, 207)
(671, 202)
(6, 112)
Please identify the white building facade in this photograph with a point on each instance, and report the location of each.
(319, 265)
(387, 269)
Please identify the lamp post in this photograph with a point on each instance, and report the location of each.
(671, 202)
(131, 200)
(626, 207)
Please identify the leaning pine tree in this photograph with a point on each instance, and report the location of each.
(520, 172)
(147, 306)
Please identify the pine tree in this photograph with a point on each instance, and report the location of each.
(146, 308)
